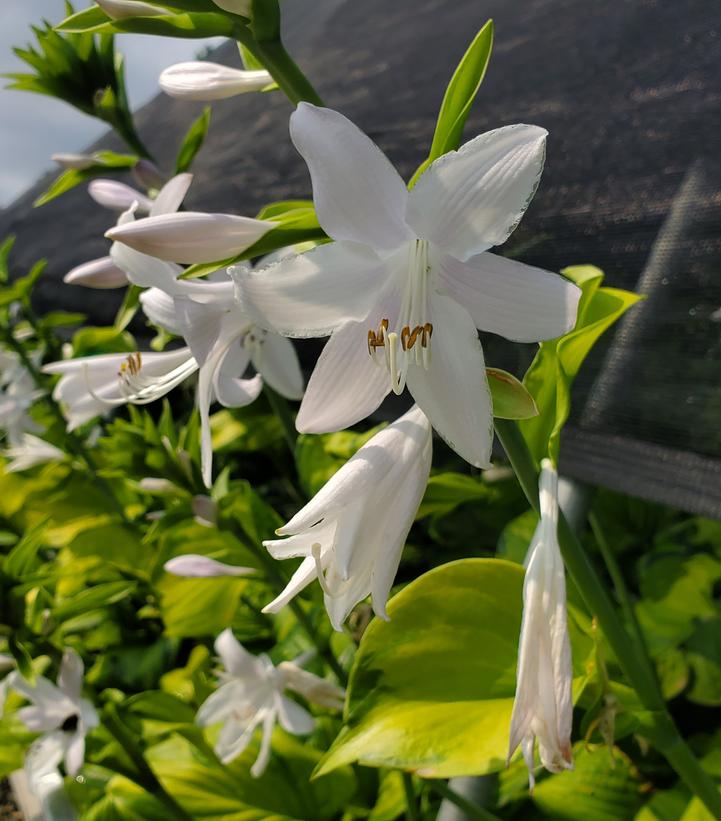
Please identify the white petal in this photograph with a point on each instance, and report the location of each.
(192, 565)
(220, 704)
(200, 80)
(232, 392)
(44, 756)
(311, 294)
(277, 362)
(453, 393)
(191, 236)
(118, 9)
(261, 762)
(293, 718)
(39, 720)
(201, 326)
(506, 297)
(75, 754)
(117, 195)
(358, 195)
(300, 545)
(70, 678)
(235, 737)
(144, 270)
(346, 384)
(171, 195)
(302, 577)
(97, 273)
(236, 659)
(471, 199)
(160, 309)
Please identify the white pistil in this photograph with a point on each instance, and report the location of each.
(315, 549)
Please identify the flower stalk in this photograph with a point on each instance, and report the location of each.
(659, 725)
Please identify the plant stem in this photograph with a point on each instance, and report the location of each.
(412, 813)
(661, 727)
(282, 68)
(468, 807)
(144, 777)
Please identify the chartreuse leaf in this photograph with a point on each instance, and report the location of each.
(459, 96)
(432, 689)
(208, 790)
(511, 400)
(555, 366)
(86, 20)
(192, 142)
(192, 25)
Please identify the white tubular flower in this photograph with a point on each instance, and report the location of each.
(29, 452)
(408, 280)
(191, 236)
(18, 393)
(117, 196)
(195, 566)
(79, 162)
(543, 708)
(100, 273)
(203, 81)
(60, 713)
(251, 696)
(352, 533)
(118, 9)
(91, 385)
(241, 7)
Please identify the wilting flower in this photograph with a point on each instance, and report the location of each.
(408, 280)
(251, 696)
(30, 451)
(543, 709)
(60, 713)
(221, 337)
(18, 393)
(100, 273)
(352, 533)
(118, 9)
(199, 80)
(89, 386)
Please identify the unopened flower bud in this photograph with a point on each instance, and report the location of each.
(199, 80)
(118, 9)
(79, 162)
(192, 565)
(204, 509)
(117, 196)
(100, 273)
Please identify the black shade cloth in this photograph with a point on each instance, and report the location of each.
(631, 95)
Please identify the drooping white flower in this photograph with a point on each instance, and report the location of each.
(409, 280)
(193, 565)
(351, 534)
(89, 386)
(118, 9)
(29, 452)
(117, 196)
(60, 713)
(251, 696)
(234, 6)
(543, 708)
(220, 335)
(200, 80)
(18, 393)
(100, 273)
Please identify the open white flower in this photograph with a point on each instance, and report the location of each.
(408, 280)
(89, 386)
(251, 696)
(60, 713)
(543, 708)
(221, 337)
(200, 80)
(30, 451)
(352, 533)
(18, 393)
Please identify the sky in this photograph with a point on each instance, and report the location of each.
(32, 126)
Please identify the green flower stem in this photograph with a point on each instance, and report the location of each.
(659, 724)
(412, 813)
(144, 776)
(468, 807)
(281, 66)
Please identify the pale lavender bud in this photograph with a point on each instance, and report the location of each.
(79, 162)
(241, 7)
(117, 196)
(118, 9)
(199, 80)
(192, 565)
(100, 273)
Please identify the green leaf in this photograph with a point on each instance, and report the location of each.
(555, 366)
(191, 25)
(90, 340)
(459, 96)
(516, 537)
(6, 247)
(23, 558)
(123, 800)
(432, 689)
(68, 179)
(22, 658)
(703, 652)
(192, 142)
(84, 21)
(199, 607)
(511, 400)
(130, 306)
(446, 491)
(101, 595)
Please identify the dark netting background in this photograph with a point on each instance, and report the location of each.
(630, 91)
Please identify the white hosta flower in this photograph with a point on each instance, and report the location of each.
(29, 452)
(195, 566)
(408, 280)
(543, 708)
(221, 337)
(191, 236)
(251, 696)
(91, 385)
(79, 162)
(199, 80)
(352, 533)
(60, 713)
(118, 9)
(100, 273)
(18, 393)
(234, 6)
(117, 196)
